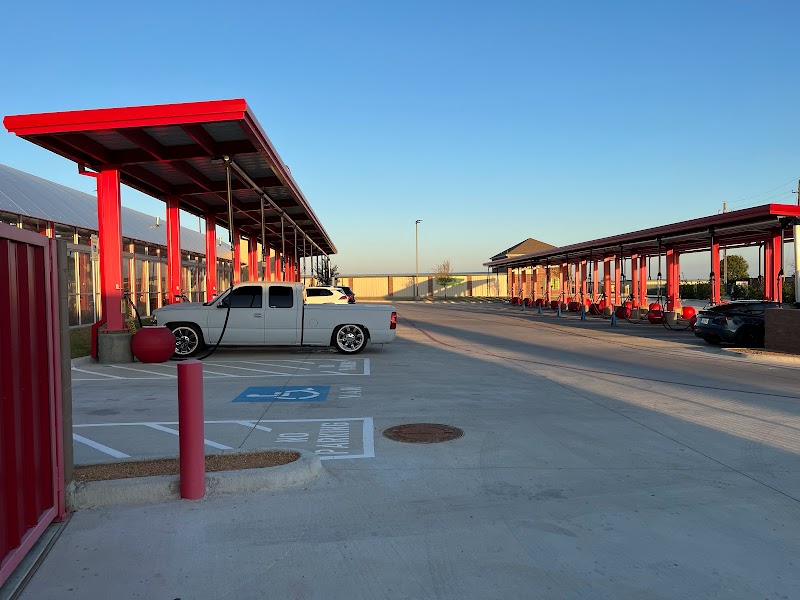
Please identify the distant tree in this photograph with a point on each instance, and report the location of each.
(737, 267)
(444, 275)
(324, 274)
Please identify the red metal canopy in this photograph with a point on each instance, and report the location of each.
(176, 150)
(731, 229)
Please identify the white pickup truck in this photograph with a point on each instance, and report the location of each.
(272, 313)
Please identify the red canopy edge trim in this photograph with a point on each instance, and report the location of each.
(123, 117)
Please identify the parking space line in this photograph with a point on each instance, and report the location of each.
(221, 376)
(366, 366)
(144, 371)
(242, 368)
(253, 426)
(251, 362)
(95, 373)
(368, 441)
(99, 446)
(218, 373)
(158, 427)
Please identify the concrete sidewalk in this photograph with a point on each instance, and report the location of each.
(591, 467)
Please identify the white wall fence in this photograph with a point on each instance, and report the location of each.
(467, 285)
(386, 287)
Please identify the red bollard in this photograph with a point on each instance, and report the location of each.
(191, 435)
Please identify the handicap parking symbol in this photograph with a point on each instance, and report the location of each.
(317, 393)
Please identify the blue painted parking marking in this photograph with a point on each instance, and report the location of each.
(315, 393)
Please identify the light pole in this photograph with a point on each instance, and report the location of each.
(416, 275)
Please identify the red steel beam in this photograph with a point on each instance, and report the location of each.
(211, 258)
(109, 233)
(173, 248)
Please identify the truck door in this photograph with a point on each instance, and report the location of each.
(246, 320)
(282, 326)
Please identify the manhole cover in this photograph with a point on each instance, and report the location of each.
(423, 433)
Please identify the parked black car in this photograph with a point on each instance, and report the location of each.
(740, 322)
(351, 297)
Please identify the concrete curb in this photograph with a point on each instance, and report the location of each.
(147, 490)
(83, 360)
(778, 359)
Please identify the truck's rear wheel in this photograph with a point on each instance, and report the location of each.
(188, 339)
(350, 339)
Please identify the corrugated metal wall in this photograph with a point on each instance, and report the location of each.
(29, 393)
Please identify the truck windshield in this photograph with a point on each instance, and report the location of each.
(215, 299)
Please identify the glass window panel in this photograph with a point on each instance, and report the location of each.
(153, 276)
(8, 218)
(85, 237)
(87, 308)
(138, 248)
(72, 285)
(126, 280)
(281, 297)
(247, 297)
(65, 232)
(85, 273)
(33, 224)
(73, 310)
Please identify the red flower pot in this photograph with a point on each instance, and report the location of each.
(153, 344)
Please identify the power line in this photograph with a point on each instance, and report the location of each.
(792, 180)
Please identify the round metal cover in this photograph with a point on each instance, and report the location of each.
(423, 433)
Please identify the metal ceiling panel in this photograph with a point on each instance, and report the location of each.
(225, 132)
(169, 136)
(111, 140)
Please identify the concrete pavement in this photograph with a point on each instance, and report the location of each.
(596, 463)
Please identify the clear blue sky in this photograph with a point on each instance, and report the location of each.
(492, 122)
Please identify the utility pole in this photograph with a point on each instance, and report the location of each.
(416, 273)
(725, 255)
(798, 192)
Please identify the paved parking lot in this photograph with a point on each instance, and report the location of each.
(596, 463)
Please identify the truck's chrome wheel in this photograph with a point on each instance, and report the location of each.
(186, 340)
(350, 339)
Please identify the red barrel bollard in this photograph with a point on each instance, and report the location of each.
(153, 344)
(191, 436)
